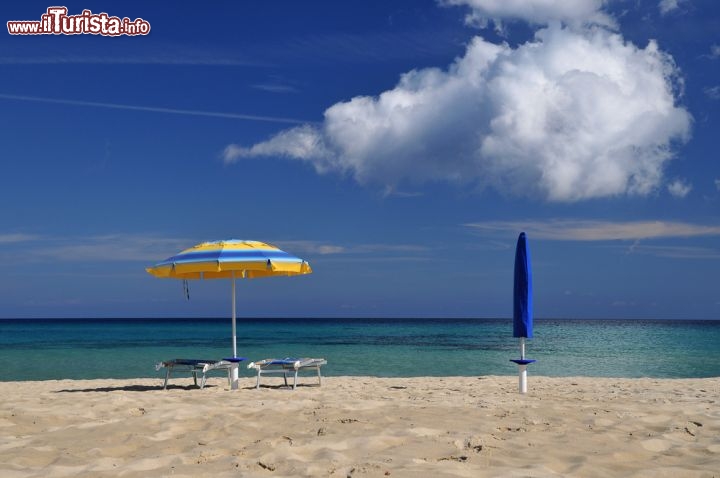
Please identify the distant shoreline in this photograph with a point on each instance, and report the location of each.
(353, 319)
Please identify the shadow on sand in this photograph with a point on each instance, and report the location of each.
(132, 388)
(155, 388)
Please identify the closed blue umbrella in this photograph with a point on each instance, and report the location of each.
(522, 291)
(522, 306)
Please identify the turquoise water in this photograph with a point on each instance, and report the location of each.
(83, 349)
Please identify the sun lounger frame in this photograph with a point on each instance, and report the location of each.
(287, 367)
(196, 367)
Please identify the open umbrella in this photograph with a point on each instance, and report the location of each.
(522, 306)
(232, 259)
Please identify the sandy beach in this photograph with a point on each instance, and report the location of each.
(362, 426)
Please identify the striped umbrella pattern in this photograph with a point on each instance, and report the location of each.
(225, 259)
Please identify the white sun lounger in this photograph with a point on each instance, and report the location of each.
(287, 366)
(197, 367)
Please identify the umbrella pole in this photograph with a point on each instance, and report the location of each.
(522, 368)
(234, 341)
(234, 370)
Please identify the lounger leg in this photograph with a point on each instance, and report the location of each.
(285, 377)
(295, 382)
(194, 374)
(319, 376)
(202, 381)
(167, 377)
(257, 387)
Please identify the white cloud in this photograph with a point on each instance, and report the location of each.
(303, 142)
(322, 248)
(571, 115)
(151, 109)
(276, 84)
(275, 88)
(588, 230)
(103, 248)
(538, 12)
(113, 247)
(150, 249)
(678, 252)
(310, 247)
(715, 52)
(717, 184)
(667, 6)
(12, 238)
(679, 188)
(712, 92)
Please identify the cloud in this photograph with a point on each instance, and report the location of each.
(679, 188)
(588, 230)
(310, 247)
(322, 248)
(114, 247)
(276, 84)
(151, 109)
(85, 249)
(12, 238)
(717, 184)
(303, 142)
(385, 248)
(667, 6)
(108, 59)
(566, 230)
(128, 54)
(712, 92)
(568, 116)
(678, 252)
(714, 52)
(357, 253)
(275, 88)
(537, 12)
(150, 248)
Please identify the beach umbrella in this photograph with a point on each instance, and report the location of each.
(522, 306)
(231, 259)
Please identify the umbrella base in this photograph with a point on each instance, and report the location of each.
(522, 373)
(523, 361)
(234, 372)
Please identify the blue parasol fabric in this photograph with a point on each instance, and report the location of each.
(522, 291)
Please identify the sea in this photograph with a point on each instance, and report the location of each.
(52, 349)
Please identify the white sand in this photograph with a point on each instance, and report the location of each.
(362, 426)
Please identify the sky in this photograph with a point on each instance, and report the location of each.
(398, 146)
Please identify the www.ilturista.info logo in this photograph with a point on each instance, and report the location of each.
(57, 22)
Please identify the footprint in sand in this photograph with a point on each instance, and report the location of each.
(604, 422)
(692, 428)
(656, 445)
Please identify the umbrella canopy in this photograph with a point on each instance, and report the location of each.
(230, 259)
(522, 291)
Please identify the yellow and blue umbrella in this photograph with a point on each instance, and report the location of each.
(232, 259)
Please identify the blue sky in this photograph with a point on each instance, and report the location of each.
(398, 146)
